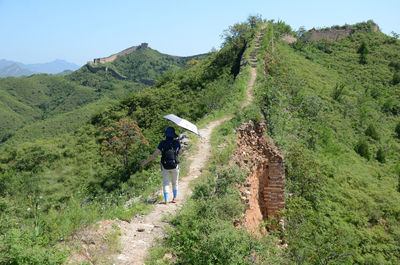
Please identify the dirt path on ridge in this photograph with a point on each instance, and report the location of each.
(139, 235)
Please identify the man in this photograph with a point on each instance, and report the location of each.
(170, 149)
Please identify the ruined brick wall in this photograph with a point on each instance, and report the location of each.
(288, 38)
(334, 34)
(94, 69)
(112, 58)
(274, 190)
(264, 189)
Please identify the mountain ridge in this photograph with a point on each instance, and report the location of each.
(17, 69)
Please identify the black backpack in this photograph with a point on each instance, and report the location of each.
(169, 158)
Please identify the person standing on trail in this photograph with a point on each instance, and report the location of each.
(169, 149)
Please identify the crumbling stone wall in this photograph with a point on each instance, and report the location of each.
(105, 68)
(334, 34)
(112, 58)
(264, 190)
(289, 38)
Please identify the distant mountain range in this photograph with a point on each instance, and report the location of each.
(11, 68)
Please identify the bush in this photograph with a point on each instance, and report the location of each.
(398, 184)
(372, 132)
(362, 149)
(380, 155)
(397, 130)
(338, 91)
(396, 78)
(363, 51)
(392, 106)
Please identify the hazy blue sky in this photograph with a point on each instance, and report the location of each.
(34, 31)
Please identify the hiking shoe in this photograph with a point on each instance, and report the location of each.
(174, 200)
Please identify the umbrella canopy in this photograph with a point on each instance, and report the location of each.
(183, 123)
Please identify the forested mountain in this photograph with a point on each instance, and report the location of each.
(330, 103)
(142, 65)
(44, 105)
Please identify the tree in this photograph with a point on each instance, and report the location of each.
(397, 130)
(395, 35)
(363, 51)
(121, 139)
(237, 35)
(396, 78)
(372, 132)
(338, 92)
(254, 20)
(380, 155)
(362, 149)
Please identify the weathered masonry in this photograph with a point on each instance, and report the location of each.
(264, 191)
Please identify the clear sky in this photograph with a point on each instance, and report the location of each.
(36, 31)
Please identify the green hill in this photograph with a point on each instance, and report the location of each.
(334, 114)
(141, 65)
(332, 106)
(147, 65)
(70, 180)
(26, 100)
(46, 99)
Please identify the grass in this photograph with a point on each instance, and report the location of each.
(350, 199)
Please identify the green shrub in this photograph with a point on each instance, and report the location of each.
(392, 106)
(372, 132)
(380, 155)
(363, 51)
(21, 247)
(396, 78)
(362, 149)
(304, 179)
(398, 183)
(338, 91)
(395, 65)
(397, 130)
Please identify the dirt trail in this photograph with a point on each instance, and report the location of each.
(139, 235)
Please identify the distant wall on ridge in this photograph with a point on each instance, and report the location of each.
(336, 33)
(112, 58)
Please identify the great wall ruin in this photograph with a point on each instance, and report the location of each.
(112, 58)
(264, 191)
(95, 69)
(95, 66)
(333, 34)
(98, 63)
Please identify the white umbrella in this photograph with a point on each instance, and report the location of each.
(183, 123)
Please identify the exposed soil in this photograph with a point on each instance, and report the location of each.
(93, 244)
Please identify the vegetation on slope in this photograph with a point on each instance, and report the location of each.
(333, 107)
(321, 103)
(50, 188)
(45, 102)
(147, 65)
(38, 98)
